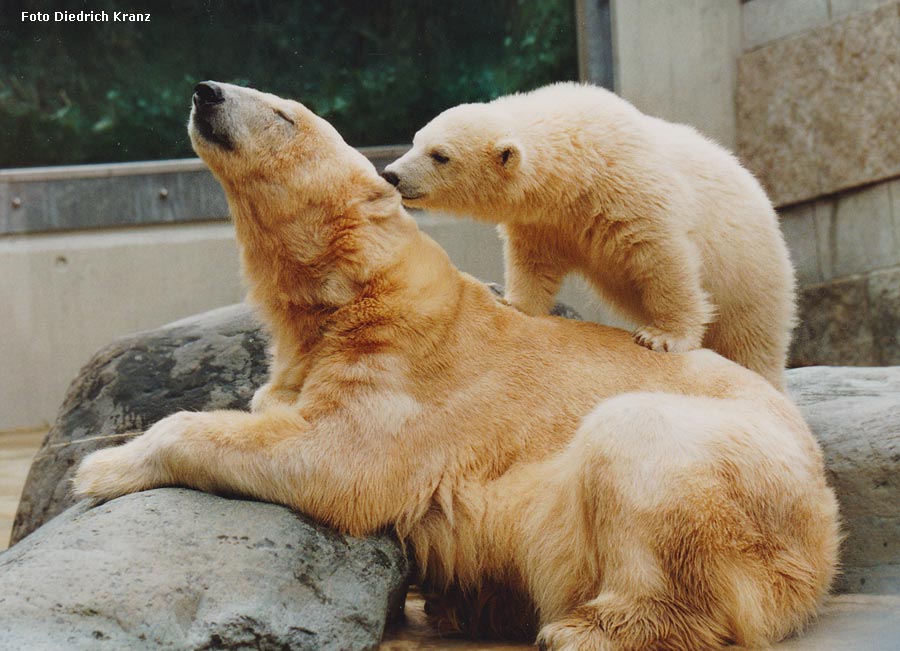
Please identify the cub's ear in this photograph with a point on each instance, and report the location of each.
(507, 153)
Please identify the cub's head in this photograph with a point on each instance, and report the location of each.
(465, 160)
(278, 155)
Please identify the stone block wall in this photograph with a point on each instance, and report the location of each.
(846, 249)
(817, 122)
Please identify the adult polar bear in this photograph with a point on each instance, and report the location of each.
(628, 499)
(665, 224)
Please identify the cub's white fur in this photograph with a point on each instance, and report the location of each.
(667, 225)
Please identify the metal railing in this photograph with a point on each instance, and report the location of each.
(82, 197)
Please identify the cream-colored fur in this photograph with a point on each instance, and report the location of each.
(667, 225)
(548, 475)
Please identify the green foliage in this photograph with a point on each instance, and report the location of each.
(377, 69)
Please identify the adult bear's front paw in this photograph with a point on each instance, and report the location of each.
(665, 342)
(573, 634)
(106, 474)
(136, 466)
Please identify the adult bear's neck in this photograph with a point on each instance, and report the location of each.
(304, 294)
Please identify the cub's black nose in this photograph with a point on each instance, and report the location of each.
(206, 93)
(391, 178)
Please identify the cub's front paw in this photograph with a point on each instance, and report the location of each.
(665, 342)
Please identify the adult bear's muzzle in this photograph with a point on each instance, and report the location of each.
(207, 93)
(207, 100)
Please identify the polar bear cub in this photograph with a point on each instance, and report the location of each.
(667, 226)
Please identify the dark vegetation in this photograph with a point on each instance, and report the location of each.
(377, 69)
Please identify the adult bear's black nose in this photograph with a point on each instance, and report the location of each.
(206, 93)
(391, 177)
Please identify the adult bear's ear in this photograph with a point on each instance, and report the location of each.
(508, 154)
(383, 200)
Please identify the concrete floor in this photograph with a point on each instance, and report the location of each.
(17, 449)
(849, 622)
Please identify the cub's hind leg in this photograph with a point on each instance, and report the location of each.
(753, 341)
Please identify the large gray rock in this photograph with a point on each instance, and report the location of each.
(174, 569)
(855, 414)
(215, 360)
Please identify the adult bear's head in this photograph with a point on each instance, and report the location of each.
(295, 188)
(241, 132)
(251, 139)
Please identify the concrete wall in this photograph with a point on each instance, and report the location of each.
(678, 60)
(846, 248)
(66, 295)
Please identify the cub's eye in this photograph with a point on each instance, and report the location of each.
(438, 157)
(283, 116)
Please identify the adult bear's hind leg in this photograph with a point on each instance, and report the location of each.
(614, 622)
(661, 527)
